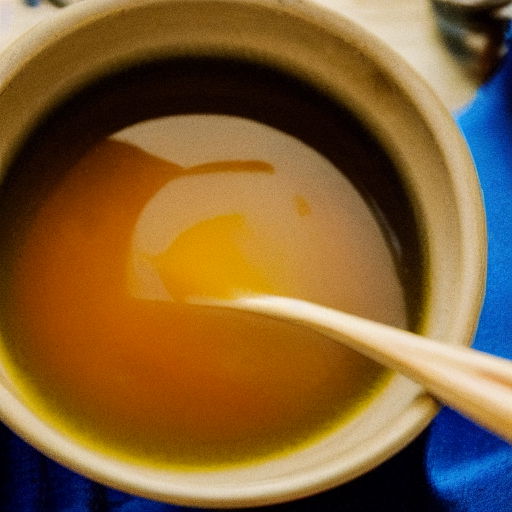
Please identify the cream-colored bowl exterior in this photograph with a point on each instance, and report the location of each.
(336, 55)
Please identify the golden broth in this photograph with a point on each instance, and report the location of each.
(104, 345)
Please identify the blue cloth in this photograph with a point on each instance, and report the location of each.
(454, 466)
(469, 469)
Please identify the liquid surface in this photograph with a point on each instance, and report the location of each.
(115, 356)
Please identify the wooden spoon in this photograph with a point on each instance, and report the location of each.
(477, 384)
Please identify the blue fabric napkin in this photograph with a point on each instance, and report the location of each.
(469, 469)
(454, 466)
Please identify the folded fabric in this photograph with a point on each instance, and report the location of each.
(469, 469)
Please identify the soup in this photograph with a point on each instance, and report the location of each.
(146, 211)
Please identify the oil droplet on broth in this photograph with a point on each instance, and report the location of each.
(110, 255)
(302, 205)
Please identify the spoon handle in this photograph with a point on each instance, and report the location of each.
(476, 384)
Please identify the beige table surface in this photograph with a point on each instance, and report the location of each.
(407, 26)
